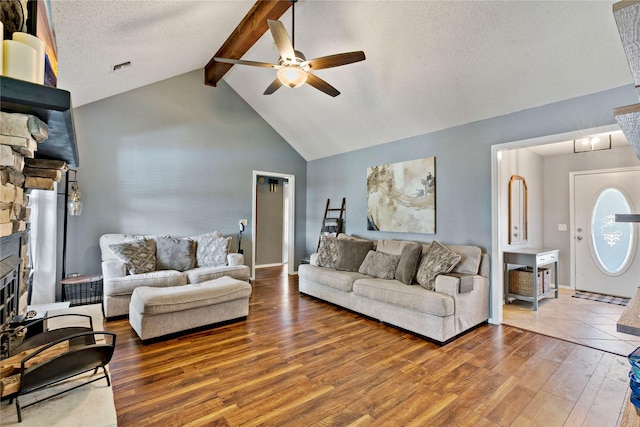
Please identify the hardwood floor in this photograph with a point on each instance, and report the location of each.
(297, 361)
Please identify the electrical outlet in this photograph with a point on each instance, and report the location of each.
(562, 227)
(243, 222)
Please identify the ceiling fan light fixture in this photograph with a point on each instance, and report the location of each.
(292, 76)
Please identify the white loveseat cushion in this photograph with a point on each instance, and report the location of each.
(125, 285)
(203, 274)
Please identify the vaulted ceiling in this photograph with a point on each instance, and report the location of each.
(430, 65)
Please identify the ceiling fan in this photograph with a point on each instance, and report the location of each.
(294, 69)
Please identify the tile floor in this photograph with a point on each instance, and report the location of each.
(576, 320)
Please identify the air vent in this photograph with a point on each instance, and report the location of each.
(121, 67)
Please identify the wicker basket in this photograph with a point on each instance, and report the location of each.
(521, 283)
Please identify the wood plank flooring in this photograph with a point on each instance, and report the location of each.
(297, 361)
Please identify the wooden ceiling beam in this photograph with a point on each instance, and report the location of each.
(246, 34)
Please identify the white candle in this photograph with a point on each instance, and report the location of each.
(19, 61)
(39, 47)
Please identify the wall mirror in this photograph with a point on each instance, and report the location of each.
(518, 209)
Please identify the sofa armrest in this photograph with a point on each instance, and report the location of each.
(454, 283)
(113, 269)
(234, 260)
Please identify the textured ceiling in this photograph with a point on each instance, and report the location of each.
(430, 65)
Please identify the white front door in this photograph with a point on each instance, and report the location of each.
(606, 258)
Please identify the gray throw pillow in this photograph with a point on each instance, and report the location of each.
(137, 255)
(380, 265)
(328, 251)
(437, 260)
(351, 253)
(408, 263)
(175, 254)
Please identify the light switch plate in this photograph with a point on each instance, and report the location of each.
(562, 227)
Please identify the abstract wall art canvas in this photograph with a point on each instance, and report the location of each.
(401, 197)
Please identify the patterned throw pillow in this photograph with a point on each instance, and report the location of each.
(437, 260)
(380, 265)
(137, 254)
(211, 249)
(175, 254)
(328, 251)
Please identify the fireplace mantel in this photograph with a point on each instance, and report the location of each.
(52, 106)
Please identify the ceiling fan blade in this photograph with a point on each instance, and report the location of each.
(335, 60)
(243, 62)
(321, 85)
(274, 86)
(282, 40)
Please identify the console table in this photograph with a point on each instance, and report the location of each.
(533, 258)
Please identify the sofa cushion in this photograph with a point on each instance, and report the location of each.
(410, 297)
(211, 249)
(125, 285)
(351, 253)
(149, 300)
(392, 247)
(137, 254)
(328, 251)
(175, 254)
(203, 274)
(470, 258)
(341, 280)
(408, 263)
(438, 260)
(380, 265)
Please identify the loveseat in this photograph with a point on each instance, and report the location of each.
(130, 261)
(433, 290)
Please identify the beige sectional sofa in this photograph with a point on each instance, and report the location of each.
(444, 306)
(165, 261)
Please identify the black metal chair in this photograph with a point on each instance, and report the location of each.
(42, 337)
(83, 355)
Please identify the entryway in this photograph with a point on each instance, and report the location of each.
(545, 163)
(273, 220)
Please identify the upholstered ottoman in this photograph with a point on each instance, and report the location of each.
(154, 312)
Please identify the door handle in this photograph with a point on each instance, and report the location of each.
(578, 237)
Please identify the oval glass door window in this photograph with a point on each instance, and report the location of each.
(612, 242)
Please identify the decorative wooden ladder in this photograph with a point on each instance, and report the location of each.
(331, 224)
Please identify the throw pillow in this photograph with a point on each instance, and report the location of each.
(211, 249)
(380, 265)
(437, 260)
(328, 252)
(406, 270)
(175, 254)
(351, 253)
(137, 255)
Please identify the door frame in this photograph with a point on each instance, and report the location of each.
(572, 175)
(292, 217)
(498, 224)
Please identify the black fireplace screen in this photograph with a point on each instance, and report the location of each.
(9, 287)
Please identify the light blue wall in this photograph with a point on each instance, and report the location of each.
(175, 157)
(463, 167)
